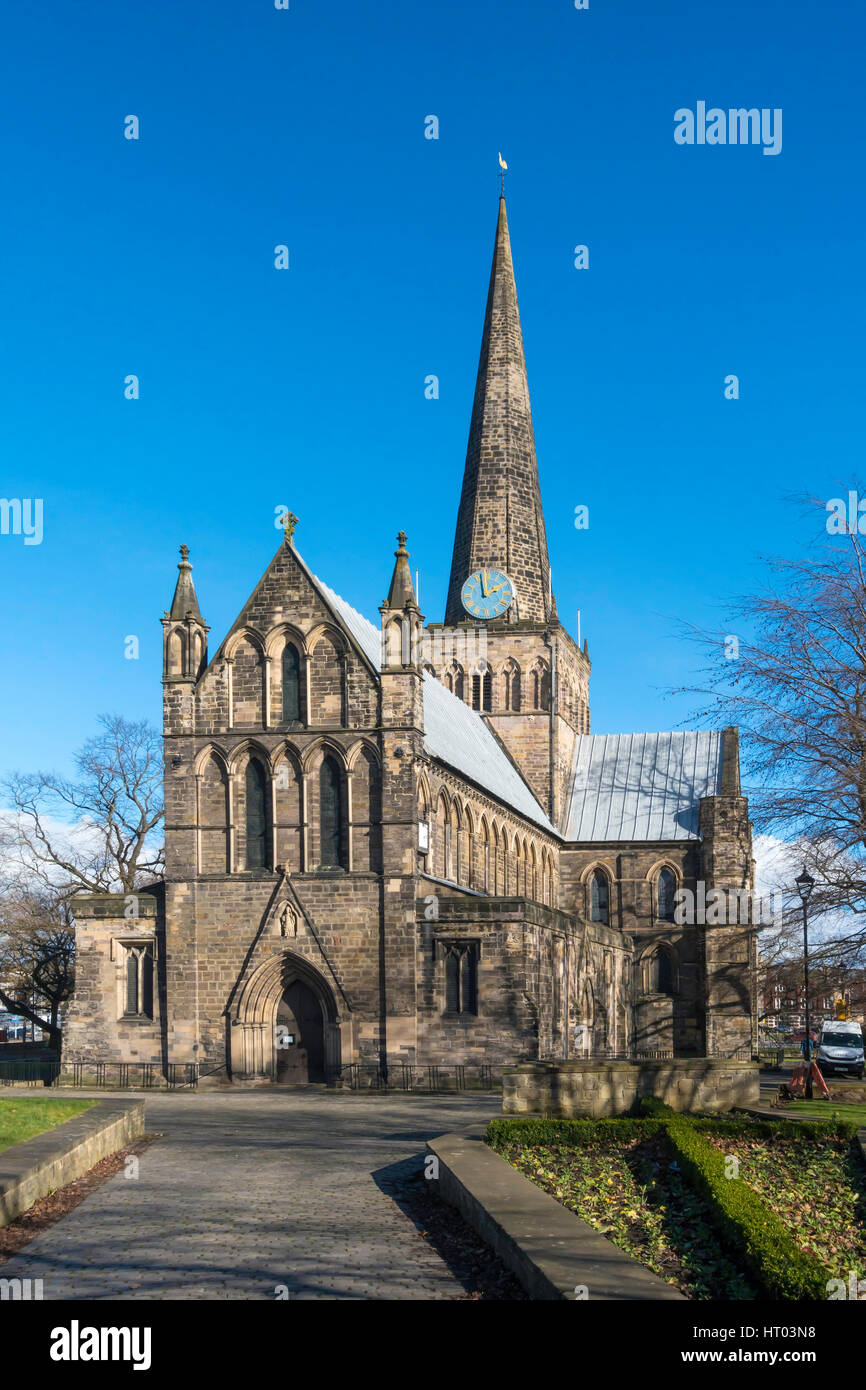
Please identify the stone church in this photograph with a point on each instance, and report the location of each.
(393, 846)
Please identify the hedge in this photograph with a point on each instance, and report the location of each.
(779, 1267)
(546, 1130)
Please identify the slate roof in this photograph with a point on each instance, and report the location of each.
(453, 733)
(642, 786)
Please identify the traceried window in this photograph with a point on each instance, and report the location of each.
(482, 690)
(511, 684)
(598, 897)
(256, 817)
(666, 887)
(461, 977)
(138, 991)
(291, 683)
(541, 687)
(332, 837)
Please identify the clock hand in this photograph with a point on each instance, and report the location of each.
(484, 589)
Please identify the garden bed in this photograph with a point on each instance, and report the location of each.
(720, 1209)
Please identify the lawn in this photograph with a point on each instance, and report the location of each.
(22, 1119)
(827, 1110)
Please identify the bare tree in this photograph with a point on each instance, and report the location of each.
(790, 669)
(95, 832)
(37, 951)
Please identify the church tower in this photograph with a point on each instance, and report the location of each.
(502, 647)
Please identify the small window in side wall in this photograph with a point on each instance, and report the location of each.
(487, 691)
(461, 978)
(476, 692)
(291, 684)
(139, 982)
(661, 979)
(666, 887)
(599, 909)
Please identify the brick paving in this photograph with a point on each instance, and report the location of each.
(249, 1191)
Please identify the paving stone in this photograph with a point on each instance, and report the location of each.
(250, 1190)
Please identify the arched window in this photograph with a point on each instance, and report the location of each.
(332, 853)
(139, 981)
(598, 897)
(511, 684)
(482, 690)
(458, 684)
(461, 978)
(661, 975)
(485, 858)
(541, 686)
(291, 683)
(256, 819)
(666, 887)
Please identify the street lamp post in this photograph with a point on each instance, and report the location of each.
(805, 883)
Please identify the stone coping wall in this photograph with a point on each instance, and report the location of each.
(553, 1253)
(49, 1161)
(704, 1084)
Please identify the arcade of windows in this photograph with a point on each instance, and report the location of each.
(252, 817)
(665, 889)
(507, 688)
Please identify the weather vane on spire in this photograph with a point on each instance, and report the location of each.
(503, 170)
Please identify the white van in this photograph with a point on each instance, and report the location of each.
(841, 1048)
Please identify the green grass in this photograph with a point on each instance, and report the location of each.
(22, 1119)
(828, 1110)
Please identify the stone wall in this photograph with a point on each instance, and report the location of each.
(698, 1084)
(549, 985)
(95, 1027)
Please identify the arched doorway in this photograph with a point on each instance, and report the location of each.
(300, 1036)
(285, 999)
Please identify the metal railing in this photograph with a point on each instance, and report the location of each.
(404, 1077)
(101, 1076)
(42, 1071)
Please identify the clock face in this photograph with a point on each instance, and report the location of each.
(487, 594)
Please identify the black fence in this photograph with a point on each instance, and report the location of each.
(101, 1076)
(132, 1076)
(403, 1077)
(30, 1071)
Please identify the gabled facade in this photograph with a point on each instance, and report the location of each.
(399, 845)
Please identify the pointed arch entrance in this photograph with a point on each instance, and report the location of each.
(285, 1024)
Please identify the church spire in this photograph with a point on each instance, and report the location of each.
(184, 601)
(500, 523)
(402, 591)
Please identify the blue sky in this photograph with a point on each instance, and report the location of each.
(262, 388)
